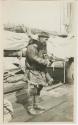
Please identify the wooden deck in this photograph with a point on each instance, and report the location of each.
(58, 103)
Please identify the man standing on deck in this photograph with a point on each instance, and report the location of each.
(36, 72)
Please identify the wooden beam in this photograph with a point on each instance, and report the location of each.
(14, 88)
(54, 86)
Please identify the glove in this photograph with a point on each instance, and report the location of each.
(46, 62)
(50, 82)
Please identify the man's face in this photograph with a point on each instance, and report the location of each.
(43, 40)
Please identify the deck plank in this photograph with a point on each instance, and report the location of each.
(58, 103)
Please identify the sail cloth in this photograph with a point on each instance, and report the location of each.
(15, 41)
(59, 46)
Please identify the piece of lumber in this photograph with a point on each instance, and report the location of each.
(54, 86)
(14, 88)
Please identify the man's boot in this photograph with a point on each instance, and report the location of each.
(34, 109)
(37, 105)
(37, 99)
(30, 109)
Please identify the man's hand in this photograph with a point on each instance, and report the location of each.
(46, 62)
